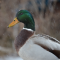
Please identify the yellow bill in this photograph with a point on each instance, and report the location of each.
(14, 22)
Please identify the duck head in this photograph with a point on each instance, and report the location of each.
(25, 17)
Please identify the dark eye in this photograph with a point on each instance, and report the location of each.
(14, 20)
(21, 13)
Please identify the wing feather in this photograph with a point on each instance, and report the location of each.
(49, 43)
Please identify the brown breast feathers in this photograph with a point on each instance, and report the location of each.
(22, 38)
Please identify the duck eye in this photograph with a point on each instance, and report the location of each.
(21, 13)
(14, 20)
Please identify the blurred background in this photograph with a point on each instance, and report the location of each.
(46, 14)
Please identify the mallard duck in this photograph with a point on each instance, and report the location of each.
(34, 47)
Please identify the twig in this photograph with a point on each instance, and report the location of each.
(7, 50)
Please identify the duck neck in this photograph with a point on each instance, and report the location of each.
(30, 26)
(21, 39)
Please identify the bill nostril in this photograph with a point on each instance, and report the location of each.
(14, 20)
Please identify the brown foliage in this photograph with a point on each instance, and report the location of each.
(48, 22)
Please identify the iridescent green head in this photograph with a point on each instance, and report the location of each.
(25, 17)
